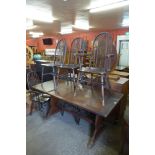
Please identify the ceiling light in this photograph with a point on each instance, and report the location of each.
(66, 28)
(99, 3)
(39, 33)
(110, 6)
(82, 20)
(66, 31)
(36, 34)
(82, 24)
(40, 14)
(31, 27)
(125, 22)
(29, 24)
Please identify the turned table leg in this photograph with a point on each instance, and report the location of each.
(98, 128)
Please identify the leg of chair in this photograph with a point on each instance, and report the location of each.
(68, 78)
(78, 78)
(102, 88)
(54, 81)
(77, 84)
(74, 79)
(42, 74)
(56, 77)
(107, 82)
(62, 109)
(91, 80)
(62, 112)
(77, 119)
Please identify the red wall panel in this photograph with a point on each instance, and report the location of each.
(89, 36)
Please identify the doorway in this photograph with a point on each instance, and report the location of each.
(123, 50)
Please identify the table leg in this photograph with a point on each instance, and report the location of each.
(30, 104)
(53, 106)
(98, 128)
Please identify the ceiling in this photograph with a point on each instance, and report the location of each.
(66, 11)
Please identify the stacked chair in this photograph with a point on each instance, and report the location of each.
(59, 60)
(75, 61)
(102, 61)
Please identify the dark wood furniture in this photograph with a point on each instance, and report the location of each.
(50, 69)
(122, 86)
(34, 97)
(101, 63)
(75, 61)
(86, 99)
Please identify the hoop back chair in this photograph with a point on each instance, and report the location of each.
(102, 61)
(59, 59)
(75, 60)
(37, 97)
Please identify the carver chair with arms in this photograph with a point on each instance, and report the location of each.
(102, 62)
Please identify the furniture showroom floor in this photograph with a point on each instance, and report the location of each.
(60, 135)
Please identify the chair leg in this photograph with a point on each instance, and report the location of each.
(107, 82)
(62, 112)
(56, 80)
(77, 119)
(42, 74)
(74, 80)
(62, 109)
(102, 88)
(77, 83)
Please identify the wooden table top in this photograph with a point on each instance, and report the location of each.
(85, 98)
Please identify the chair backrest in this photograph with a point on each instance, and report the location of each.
(104, 53)
(32, 79)
(77, 46)
(60, 52)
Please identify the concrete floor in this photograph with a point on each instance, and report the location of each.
(60, 135)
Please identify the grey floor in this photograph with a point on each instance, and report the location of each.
(60, 135)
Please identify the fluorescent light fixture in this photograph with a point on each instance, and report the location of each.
(40, 14)
(125, 22)
(29, 24)
(36, 34)
(66, 28)
(31, 27)
(99, 3)
(82, 20)
(110, 6)
(82, 24)
(39, 33)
